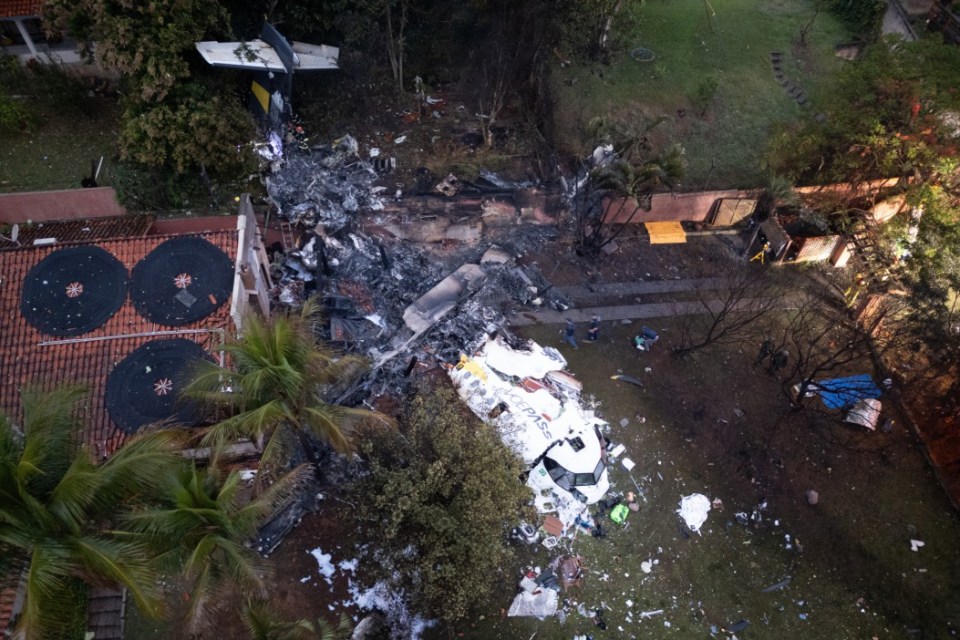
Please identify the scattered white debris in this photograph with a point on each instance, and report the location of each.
(617, 450)
(306, 579)
(348, 565)
(248, 474)
(400, 140)
(374, 152)
(394, 606)
(323, 560)
(916, 544)
(650, 614)
(628, 464)
(693, 509)
(646, 566)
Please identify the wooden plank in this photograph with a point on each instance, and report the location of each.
(666, 232)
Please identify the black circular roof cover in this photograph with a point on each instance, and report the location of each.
(73, 291)
(145, 386)
(181, 281)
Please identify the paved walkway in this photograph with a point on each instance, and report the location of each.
(585, 297)
(895, 21)
(622, 312)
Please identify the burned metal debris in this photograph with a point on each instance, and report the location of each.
(400, 304)
(326, 184)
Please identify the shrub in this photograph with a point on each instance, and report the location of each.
(14, 115)
(862, 17)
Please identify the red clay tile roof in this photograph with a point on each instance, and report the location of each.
(31, 359)
(82, 230)
(13, 8)
(9, 586)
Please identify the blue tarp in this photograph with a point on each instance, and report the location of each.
(843, 393)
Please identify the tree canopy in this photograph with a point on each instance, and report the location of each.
(272, 391)
(895, 112)
(442, 494)
(57, 506)
(200, 526)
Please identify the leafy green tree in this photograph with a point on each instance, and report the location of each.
(148, 42)
(171, 117)
(188, 131)
(888, 115)
(200, 527)
(893, 113)
(442, 494)
(272, 392)
(933, 272)
(585, 27)
(57, 505)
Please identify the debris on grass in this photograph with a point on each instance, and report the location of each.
(693, 510)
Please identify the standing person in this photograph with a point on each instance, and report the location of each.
(594, 331)
(766, 350)
(570, 334)
(778, 361)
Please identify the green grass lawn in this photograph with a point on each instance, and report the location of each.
(855, 577)
(732, 47)
(57, 152)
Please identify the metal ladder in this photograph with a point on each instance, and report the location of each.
(286, 237)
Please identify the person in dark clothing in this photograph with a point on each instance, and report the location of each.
(778, 361)
(594, 331)
(766, 350)
(570, 334)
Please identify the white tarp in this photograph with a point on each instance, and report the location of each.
(693, 509)
(539, 604)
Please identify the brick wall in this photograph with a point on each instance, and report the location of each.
(65, 204)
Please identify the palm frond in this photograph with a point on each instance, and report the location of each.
(139, 467)
(76, 492)
(203, 603)
(119, 561)
(50, 426)
(249, 517)
(325, 422)
(245, 568)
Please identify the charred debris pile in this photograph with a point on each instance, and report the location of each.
(407, 281)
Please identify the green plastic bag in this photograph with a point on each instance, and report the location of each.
(619, 513)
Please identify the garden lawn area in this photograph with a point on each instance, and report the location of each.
(694, 48)
(56, 153)
(714, 424)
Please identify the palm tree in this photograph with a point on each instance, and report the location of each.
(200, 528)
(272, 392)
(56, 506)
(262, 625)
(632, 183)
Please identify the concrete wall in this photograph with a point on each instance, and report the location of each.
(57, 206)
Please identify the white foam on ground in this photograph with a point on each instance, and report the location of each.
(394, 607)
(326, 567)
